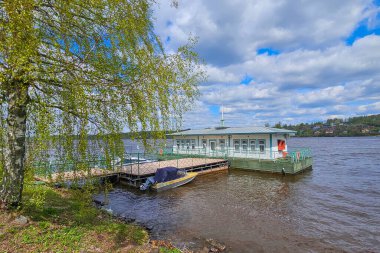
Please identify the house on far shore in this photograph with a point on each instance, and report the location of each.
(240, 142)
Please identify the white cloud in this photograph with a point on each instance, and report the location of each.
(199, 116)
(237, 28)
(371, 107)
(219, 75)
(315, 76)
(316, 68)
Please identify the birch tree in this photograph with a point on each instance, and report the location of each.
(74, 67)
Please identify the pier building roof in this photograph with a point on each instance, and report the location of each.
(234, 130)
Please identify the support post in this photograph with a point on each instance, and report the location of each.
(138, 164)
(270, 143)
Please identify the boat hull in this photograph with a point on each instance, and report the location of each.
(175, 183)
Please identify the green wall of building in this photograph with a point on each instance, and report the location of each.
(276, 166)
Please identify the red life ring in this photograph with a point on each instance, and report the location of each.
(298, 154)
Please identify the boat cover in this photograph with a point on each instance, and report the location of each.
(166, 174)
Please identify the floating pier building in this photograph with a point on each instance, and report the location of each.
(254, 148)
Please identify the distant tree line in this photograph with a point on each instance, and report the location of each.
(355, 126)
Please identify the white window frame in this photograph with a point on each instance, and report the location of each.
(214, 141)
(236, 143)
(250, 145)
(204, 143)
(222, 144)
(262, 145)
(242, 145)
(192, 143)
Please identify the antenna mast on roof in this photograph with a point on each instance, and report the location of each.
(222, 120)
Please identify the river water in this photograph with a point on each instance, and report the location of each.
(334, 207)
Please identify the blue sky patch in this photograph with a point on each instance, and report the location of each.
(357, 103)
(304, 90)
(246, 79)
(169, 23)
(214, 109)
(361, 31)
(168, 39)
(268, 51)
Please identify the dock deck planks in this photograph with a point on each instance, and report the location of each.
(142, 169)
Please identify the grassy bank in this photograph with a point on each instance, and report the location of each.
(62, 220)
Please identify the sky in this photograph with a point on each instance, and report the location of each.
(270, 61)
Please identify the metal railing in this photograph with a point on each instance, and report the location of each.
(295, 155)
(299, 154)
(135, 164)
(138, 164)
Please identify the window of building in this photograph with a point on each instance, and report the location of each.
(187, 144)
(262, 145)
(192, 144)
(237, 145)
(244, 145)
(178, 144)
(204, 143)
(252, 145)
(213, 145)
(222, 144)
(182, 144)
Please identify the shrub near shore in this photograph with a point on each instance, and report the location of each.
(62, 220)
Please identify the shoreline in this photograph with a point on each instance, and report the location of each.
(66, 222)
(203, 245)
(69, 220)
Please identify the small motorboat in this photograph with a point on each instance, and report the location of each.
(168, 178)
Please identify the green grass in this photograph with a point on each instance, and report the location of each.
(166, 250)
(62, 220)
(65, 221)
(66, 238)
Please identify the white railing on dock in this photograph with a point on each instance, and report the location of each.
(294, 154)
(230, 152)
(141, 163)
(132, 164)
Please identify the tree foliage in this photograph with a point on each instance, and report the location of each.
(88, 66)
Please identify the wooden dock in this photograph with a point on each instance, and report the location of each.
(135, 173)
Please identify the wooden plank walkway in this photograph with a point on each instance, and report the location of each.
(143, 169)
(136, 170)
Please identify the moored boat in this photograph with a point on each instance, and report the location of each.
(175, 183)
(168, 178)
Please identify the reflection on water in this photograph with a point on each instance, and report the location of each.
(336, 206)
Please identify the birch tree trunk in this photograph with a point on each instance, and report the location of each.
(14, 150)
